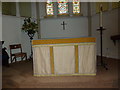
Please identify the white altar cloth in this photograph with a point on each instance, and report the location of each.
(64, 59)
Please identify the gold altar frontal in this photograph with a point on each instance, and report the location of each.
(64, 57)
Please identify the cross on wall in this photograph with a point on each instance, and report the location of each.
(63, 25)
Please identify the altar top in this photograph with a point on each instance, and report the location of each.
(64, 40)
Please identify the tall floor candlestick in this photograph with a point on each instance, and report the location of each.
(101, 42)
(101, 16)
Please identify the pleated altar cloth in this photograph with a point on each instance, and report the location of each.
(69, 56)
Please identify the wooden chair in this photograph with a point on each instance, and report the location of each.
(15, 55)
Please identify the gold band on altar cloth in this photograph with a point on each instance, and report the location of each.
(52, 59)
(65, 40)
(66, 44)
(67, 75)
(76, 59)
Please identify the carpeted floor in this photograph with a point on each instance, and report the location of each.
(20, 75)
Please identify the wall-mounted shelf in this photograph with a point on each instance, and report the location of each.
(115, 37)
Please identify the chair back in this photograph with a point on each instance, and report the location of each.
(16, 51)
(15, 46)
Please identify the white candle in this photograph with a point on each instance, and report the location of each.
(101, 18)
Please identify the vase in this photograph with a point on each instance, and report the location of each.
(31, 34)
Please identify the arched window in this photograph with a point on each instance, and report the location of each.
(49, 7)
(76, 7)
(62, 7)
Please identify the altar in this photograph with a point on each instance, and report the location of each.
(68, 56)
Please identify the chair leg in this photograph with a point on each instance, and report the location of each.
(21, 58)
(26, 56)
(11, 59)
(15, 59)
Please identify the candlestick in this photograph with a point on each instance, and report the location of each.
(101, 17)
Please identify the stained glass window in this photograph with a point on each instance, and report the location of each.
(49, 7)
(62, 7)
(76, 6)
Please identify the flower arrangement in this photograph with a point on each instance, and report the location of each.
(29, 26)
